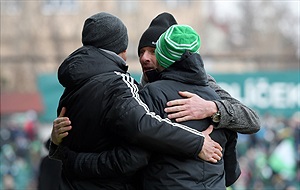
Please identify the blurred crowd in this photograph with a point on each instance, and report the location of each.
(269, 159)
(21, 151)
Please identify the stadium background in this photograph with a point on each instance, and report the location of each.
(250, 47)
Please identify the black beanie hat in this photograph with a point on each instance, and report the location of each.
(157, 26)
(105, 31)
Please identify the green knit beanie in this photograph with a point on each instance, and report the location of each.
(174, 42)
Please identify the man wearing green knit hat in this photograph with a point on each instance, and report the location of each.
(174, 42)
(181, 69)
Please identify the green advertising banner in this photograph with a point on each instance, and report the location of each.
(266, 92)
(50, 90)
(276, 93)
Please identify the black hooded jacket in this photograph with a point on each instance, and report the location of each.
(175, 172)
(103, 104)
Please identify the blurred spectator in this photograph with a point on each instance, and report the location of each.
(30, 124)
(25, 166)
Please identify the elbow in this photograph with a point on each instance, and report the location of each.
(255, 129)
(254, 123)
(256, 126)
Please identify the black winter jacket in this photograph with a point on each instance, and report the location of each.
(103, 104)
(175, 172)
(95, 165)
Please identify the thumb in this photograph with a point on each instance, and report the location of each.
(185, 94)
(208, 130)
(62, 112)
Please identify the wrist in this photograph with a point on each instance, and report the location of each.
(53, 142)
(216, 116)
(213, 108)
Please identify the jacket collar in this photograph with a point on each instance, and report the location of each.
(189, 69)
(87, 62)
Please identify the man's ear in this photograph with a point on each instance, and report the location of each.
(123, 55)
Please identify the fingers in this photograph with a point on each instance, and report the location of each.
(58, 133)
(62, 135)
(215, 158)
(177, 114)
(61, 126)
(211, 156)
(61, 130)
(217, 152)
(217, 155)
(211, 151)
(212, 160)
(208, 130)
(180, 115)
(218, 147)
(61, 121)
(186, 94)
(173, 108)
(179, 102)
(182, 119)
(176, 102)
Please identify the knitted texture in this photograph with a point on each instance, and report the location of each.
(174, 42)
(157, 26)
(105, 31)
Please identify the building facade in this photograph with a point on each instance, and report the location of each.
(36, 36)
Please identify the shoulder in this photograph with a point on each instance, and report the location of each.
(210, 79)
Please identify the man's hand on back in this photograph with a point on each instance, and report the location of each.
(211, 151)
(191, 107)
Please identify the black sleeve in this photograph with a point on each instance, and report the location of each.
(133, 120)
(118, 162)
(231, 164)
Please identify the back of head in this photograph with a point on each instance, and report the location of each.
(157, 26)
(174, 42)
(105, 31)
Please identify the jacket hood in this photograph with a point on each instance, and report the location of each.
(189, 69)
(87, 62)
